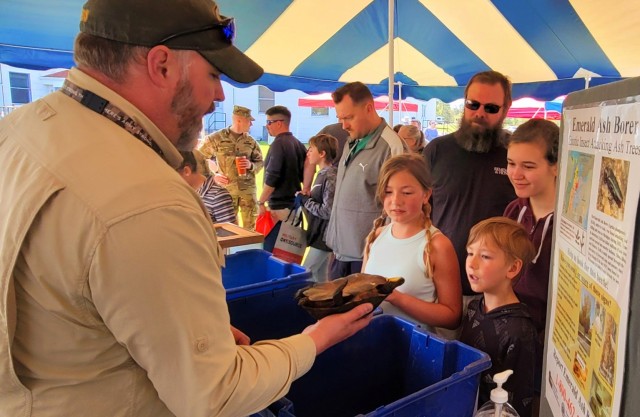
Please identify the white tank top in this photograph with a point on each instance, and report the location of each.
(393, 257)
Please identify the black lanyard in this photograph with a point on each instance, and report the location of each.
(103, 107)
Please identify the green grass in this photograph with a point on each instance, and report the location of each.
(260, 175)
(446, 128)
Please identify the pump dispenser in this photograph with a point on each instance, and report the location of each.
(498, 405)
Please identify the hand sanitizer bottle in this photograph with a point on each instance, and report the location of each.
(498, 405)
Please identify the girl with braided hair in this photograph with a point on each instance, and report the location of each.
(403, 242)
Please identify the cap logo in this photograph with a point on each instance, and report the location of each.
(84, 16)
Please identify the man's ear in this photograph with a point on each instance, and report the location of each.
(514, 269)
(369, 107)
(162, 65)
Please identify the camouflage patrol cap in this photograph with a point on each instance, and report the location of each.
(243, 111)
(179, 24)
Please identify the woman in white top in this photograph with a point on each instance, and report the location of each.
(403, 242)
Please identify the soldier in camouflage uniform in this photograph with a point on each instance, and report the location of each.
(223, 147)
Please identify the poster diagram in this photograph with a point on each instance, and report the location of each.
(612, 188)
(590, 278)
(576, 207)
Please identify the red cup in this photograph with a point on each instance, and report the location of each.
(241, 170)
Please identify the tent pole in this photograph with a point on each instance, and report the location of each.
(400, 102)
(391, 70)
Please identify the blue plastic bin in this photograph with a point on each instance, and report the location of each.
(255, 271)
(271, 314)
(390, 368)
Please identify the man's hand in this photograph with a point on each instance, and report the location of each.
(243, 163)
(338, 327)
(221, 179)
(239, 337)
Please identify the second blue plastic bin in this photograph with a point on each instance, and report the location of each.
(255, 271)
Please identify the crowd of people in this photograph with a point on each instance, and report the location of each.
(465, 218)
(458, 217)
(113, 284)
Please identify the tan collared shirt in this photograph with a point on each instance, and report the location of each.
(111, 301)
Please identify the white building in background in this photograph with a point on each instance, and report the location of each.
(19, 86)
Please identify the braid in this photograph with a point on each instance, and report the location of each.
(426, 210)
(372, 234)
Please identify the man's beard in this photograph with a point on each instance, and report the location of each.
(475, 139)
(189, 118)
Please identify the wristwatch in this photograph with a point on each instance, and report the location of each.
(261, 203)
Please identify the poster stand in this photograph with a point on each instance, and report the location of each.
(591, 358)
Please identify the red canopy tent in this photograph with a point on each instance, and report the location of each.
(381, 103)
(528, 108)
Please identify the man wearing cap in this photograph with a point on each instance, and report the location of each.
(224, 147)
(111, 298)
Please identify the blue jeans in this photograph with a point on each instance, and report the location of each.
(341, 269)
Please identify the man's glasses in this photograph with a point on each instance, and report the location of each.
(227, 28)
(270, 122)
(488, 107)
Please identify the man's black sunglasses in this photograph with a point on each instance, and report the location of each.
(227, 27)
(488, 107)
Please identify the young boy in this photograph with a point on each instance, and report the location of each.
(195, 171)
(191, 172)
(216, 198)
(497, 250)
(317, 205)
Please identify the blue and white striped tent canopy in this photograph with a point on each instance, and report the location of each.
(547, 47)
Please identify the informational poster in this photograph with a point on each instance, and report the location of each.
(596, 213)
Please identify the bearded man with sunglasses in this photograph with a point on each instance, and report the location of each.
(469, 167)
(111, 297)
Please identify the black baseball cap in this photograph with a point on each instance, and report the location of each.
(179, 24)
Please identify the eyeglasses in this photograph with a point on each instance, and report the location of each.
(488, 107)
(270, 122)
(227, 27)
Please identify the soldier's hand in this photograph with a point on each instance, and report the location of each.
(244, 163)
(221, 179)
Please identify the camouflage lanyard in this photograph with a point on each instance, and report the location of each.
(103, 107)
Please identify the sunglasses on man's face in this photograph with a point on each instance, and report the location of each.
(488, 107)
